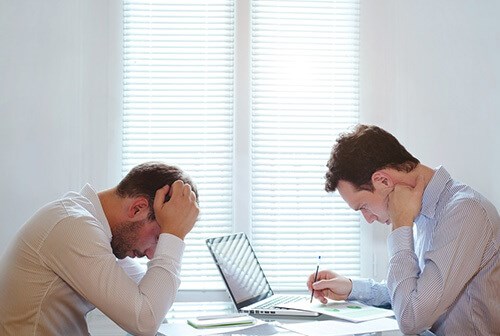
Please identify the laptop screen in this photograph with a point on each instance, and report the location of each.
(240, 269)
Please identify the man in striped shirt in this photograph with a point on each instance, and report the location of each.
(74, 254)
(444, 271)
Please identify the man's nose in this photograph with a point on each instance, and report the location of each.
(150, 252)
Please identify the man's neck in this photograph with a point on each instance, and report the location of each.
(420, 169)
(110, 204)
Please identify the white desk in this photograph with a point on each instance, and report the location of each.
(100, 325)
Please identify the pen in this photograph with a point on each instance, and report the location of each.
(215, 317)
(315, 278)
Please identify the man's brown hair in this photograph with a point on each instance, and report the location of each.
(146, 178)
(360, 153)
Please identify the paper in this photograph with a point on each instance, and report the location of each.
(184, 329)
(341, 328)
(261, 330)
(221, 321)
(347, 310)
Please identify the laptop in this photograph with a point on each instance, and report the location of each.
(245, 280)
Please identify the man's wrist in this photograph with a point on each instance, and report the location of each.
(401, 224)
(401, 221)
(170, 244)
(178, 233)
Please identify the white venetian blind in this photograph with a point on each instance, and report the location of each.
(180, 90)
(304, 92)
(178, 107)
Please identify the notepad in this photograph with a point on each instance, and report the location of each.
(347, 310)
(232, 321)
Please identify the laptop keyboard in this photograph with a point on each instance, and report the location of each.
(279, 300)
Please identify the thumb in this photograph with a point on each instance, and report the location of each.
(323, 284)
(160, 197)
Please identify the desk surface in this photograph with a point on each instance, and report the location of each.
(100, 325)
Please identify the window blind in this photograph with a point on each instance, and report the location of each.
(178, 108)
(304, 92)
(179, 104)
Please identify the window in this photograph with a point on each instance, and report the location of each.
(248, 97)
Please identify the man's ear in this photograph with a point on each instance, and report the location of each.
(381, 180)
(138, 208)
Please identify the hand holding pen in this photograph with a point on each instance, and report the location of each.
(329, 285)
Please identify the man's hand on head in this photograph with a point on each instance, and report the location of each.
(177, 215)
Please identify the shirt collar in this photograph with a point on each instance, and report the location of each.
(89, 193)
(433, 191)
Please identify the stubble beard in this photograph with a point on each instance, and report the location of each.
(125, 236)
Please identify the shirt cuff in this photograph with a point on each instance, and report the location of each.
(170, 245)
(399, 240)
(360, 288)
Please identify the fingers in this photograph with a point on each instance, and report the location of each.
(160, 196)
(321, 297)
(322, 275)
(178, 215)
(177, 188)
(323, 284)
(181, 189)
(188, 192)
(310, 281)
(323, 291)
(330, 285)
(312, 284)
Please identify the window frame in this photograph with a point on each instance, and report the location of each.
(371, 237)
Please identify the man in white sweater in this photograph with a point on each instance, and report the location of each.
(74, 254)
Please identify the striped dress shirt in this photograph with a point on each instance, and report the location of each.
(444, 275)
(61, 265)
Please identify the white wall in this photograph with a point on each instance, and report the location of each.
(430, 74)
(56, 102)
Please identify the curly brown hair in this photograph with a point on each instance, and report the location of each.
(360, 153)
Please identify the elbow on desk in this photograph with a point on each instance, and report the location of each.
(142, 329)
(142, 326)
(410, 329)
